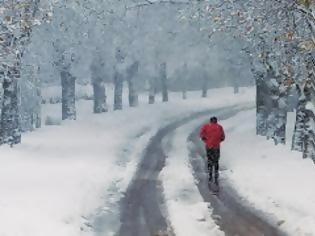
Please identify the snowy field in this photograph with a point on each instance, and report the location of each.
(61, 176)
(272, 179)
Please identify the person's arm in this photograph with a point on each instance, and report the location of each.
(202, 133)
(222, 134)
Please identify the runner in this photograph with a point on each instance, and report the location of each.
(212, 134)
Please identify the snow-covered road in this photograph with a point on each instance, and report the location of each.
(144, 210)
(233, 216)
(70, 180)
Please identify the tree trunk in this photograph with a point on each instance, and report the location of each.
(184, 77)
(309, 138)
(38, 111)
(152, 90)
(163, 77)
(10, 132)
(68, 96)
(131, 73)
(235, 82)
(282, 104)
(280, 134)
(1, 97)
(118, 90)
(99, 92)
(273, 121)
(276, 104)
(98, 74)
(298, 134)
(303, 136)
(205, 87)
(261, 113)
(184, 94)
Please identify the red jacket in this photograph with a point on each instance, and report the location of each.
(212, 134)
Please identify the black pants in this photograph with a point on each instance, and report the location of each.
(213, 163)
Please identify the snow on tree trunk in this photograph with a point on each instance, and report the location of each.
(205, 87)
(280, 129)
(17, 21)
(309, 113)
(1, 96)
(99, 92)
(68, 95)
(163, 77)
(261, 113)
(298, 133)
(131, 75)
(276, 105)
(309, 138)
(10, 132)
(274, 123)
(303, 121)
(152, 90)
(304, 137)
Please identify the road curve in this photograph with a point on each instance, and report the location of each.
(142, 208)
(143, 211)
(233, 216)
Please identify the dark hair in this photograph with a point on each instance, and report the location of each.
(214, 119)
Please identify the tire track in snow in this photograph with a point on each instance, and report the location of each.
(143, 210)
(106, 219)
(233, 216)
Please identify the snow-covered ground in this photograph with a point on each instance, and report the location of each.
(60, 176)
(270, 178)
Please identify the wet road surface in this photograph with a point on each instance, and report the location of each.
(233, 215)
(143, 211)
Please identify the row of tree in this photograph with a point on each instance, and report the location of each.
(278, 37)
(44, 41)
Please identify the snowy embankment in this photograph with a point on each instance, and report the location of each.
(271, 178)
(188, 213)
(62, 175)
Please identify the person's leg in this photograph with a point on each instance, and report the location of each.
(216, 165)
(210, 163)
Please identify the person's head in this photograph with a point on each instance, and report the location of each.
(213, 120)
